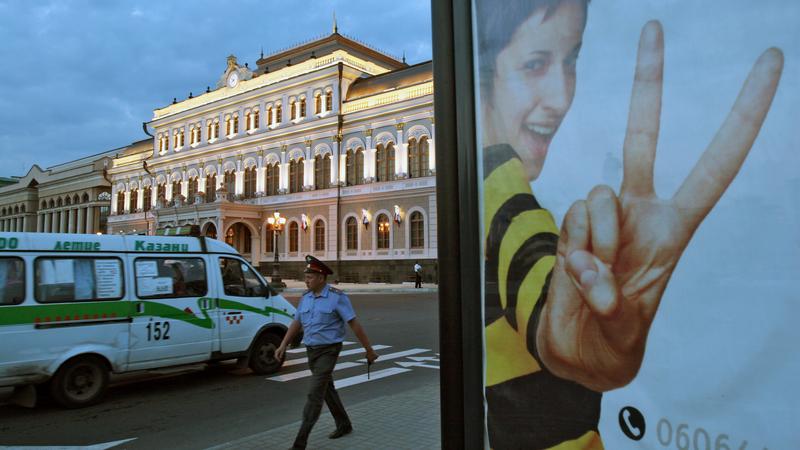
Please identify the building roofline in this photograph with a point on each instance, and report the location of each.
(333, 37)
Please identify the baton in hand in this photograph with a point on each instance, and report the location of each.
(368, 364)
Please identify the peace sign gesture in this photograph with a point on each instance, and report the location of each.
(616, 253)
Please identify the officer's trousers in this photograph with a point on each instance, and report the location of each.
(321, 361)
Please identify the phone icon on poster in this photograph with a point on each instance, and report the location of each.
(631, 421)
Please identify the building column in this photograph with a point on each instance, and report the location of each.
(140, 198)
(400, 154)
(432, 148)
(40, 222)
(114, 198)
(201, 183)
(90, 220)
(261, 176)
(3, 225)
(46, 227)
(62, 227)
(71, 220)
(335, 175)
(167, 192)
(81, 227)
(10, 225)
(126, 208)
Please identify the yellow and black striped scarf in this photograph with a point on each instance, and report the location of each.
(528, 407)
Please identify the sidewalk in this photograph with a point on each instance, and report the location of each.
(409, 420)
(298, 287)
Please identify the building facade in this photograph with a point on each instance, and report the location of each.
(74, 197)
(336, 137)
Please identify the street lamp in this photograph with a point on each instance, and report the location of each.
(276, 223)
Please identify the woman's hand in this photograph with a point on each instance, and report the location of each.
(617, 253)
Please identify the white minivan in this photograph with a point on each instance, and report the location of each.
(74, 308)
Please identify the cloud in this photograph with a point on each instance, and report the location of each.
(81, 76)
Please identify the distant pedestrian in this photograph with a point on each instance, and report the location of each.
(417, 275)
(321, 314)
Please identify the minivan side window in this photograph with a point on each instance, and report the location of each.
(170, 277)
(77, 279)
(12, 281)
(240, 280)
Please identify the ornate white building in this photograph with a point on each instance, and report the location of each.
(337, 137)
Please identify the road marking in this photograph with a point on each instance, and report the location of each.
(388, 356)
(303, 349)
(294, 362)
(307, 373)
(103, 446)
(423, 358)
(416, 364)
(345, 382)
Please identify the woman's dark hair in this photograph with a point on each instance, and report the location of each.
(497, 22)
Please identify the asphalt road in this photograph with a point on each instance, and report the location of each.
(205, 406)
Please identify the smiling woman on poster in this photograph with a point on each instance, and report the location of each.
(568, 311)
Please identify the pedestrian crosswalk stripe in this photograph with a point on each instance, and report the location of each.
(294, 362)
(396, 355)
(303, 349)
(345, 382)
(307, 373)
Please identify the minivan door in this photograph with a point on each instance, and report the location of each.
(171, 321)
(244, 306)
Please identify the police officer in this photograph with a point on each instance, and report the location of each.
(322, 312)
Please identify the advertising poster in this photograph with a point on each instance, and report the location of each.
(640, 222)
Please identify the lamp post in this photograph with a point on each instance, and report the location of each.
(276, 223)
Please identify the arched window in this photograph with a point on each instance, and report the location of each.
(319, 236)
(278, 113)
(424, 156)
(230, 182)
(120, 202)
(322, 171)
(273, 179)
(228, 126)
(384, 162)
(380, 157)
(250, 182)
(247, 121)
(296, 175)
(292, 110)
(211, 187)
(317, 104)
(191, 190)
(269, 116)
(359, 166)
(351, 230)
(176, 190)
(147, 198)
(293, 235)
(161, 192)
(417, 223)
(133, 199)
(269, 241)
(302, 108)
(256, 115)
(383, 232)
(235, 123)
(354, 166)
(329, 101)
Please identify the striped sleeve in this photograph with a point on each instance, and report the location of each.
(528, 407)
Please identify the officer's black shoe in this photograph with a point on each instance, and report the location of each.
(341, 432)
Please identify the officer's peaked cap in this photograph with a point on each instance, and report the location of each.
(313, 265)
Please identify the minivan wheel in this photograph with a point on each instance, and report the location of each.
(262, 354)
(80, 382)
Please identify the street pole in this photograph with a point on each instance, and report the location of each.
(276, 224)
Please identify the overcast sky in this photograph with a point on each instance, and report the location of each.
(80, 76)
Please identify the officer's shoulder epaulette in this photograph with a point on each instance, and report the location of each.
(336, 290)
(305, 292)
